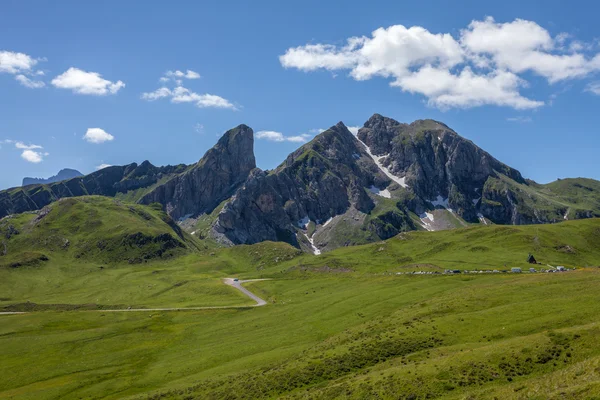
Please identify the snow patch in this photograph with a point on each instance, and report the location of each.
(475, 201)
(427, 221)
(303, 223)
(193, 233)
(481, 218)
(399, 181)
(327, 222)
(383, 193)
(314, 248)
(566, 216)
(356, 156)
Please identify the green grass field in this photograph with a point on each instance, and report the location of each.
(342, 325)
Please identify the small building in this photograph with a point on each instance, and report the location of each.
(561, 268)
(532, 270)
(515, 270)
(531, 259)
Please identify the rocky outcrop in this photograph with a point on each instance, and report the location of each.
(320, 180)
(213, 179)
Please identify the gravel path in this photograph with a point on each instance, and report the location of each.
(228, 281)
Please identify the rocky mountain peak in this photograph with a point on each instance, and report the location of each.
(237, 143)
(210, 181)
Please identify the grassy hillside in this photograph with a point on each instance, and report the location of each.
(570, 243)
(342, 325)
(94, 228)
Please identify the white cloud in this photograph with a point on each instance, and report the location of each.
(521, 46)
(354, 129)
(21, 65)
(481, 66)
(157, 94)
(23, 146)
(97, 136)
(83, 82)
(27, 82)
(16, 63)
(33, 156)
(183, 95)
(316, 130)
(199, 128)
(593, 87)
(189, 74)
(299, 138)
(270, 135)
(102, 166)
(519, 119)
(274, 136)
(30, 153)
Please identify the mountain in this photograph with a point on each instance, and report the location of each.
(213, 179)
(62, 175)
(341, 190)
(181, 189)
(337, 190)
(321, 180)
(112, 181)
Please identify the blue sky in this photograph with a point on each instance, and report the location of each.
(79, 81)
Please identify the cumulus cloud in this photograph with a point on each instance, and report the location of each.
(30, 83)
(189, 74)
(480, 66)
(33, 156)
(30, 152)
(22, 66)
(16, 63)
(102, 166)
(97, 136)
(83, 82)
(274, 136)
(181, 94)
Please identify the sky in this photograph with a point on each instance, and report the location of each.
(89, 84)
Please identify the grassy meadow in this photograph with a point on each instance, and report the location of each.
(342, 325)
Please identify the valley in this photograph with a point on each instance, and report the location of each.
(343, 324)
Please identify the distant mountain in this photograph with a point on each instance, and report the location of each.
(62, 175)
(337, 190)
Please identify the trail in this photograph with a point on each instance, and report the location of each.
(228, 281)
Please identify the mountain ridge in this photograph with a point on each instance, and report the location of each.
(337, 190)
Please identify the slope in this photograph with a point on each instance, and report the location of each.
(91, 228)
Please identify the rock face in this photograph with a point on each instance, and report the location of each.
(435, 161)
(62, 175)
(213, 179)
(320, 180)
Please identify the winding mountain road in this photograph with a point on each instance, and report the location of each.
(228, 281)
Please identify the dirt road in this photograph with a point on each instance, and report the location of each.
(228, 281)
